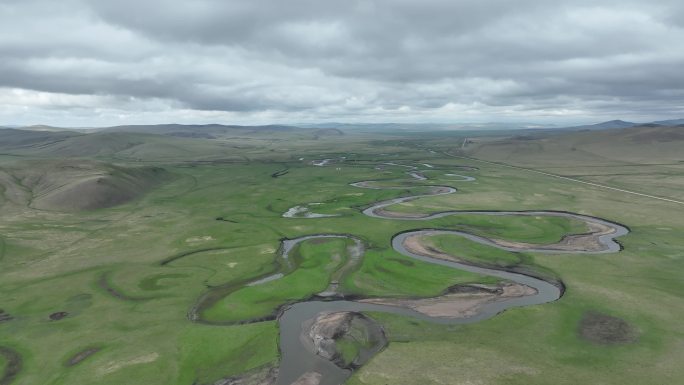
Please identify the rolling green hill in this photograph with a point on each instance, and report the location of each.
(76, 185)
(641, 144)
(26, 140)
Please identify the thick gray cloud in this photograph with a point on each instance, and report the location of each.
(249, 61)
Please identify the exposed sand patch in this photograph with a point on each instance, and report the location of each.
(113, 366)
(415, 245)
(325, 328)
(218, 252)
(200, 238)
(260, 376)
(303, 211)
(267, 250)
(321, 335)
(577, 242)
(309, 378)
(459, 305)
(393, 214)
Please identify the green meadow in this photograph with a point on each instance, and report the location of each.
(129, 272)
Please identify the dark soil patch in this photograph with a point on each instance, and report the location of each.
(279, 173)
(320, 241)
(472, 289)
(82, 355)
(403, 261)
(103, 282)
(4, 316)
(13, 367)
(222, 219)
(58, 315)
(603, 329)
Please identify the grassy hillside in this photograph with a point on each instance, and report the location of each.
(646, 159)
(25, 140)
(650, 144)
(179, 143)
(214, 131)
(70, 185)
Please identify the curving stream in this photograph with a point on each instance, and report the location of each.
(299, 359)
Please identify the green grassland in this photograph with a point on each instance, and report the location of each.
(315, 263)
(127, 275)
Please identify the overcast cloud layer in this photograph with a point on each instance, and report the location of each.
(103, 62)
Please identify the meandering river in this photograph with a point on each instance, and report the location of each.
(297, 356)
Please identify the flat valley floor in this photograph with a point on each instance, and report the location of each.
(140, 258)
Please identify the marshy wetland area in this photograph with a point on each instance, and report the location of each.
(278, 255)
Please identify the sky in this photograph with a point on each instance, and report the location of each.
(103, 62)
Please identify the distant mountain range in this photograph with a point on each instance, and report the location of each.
(672, 122)
(209, 130)
(612, 124)
(489, 126)
(176, 140)
(604, 125)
